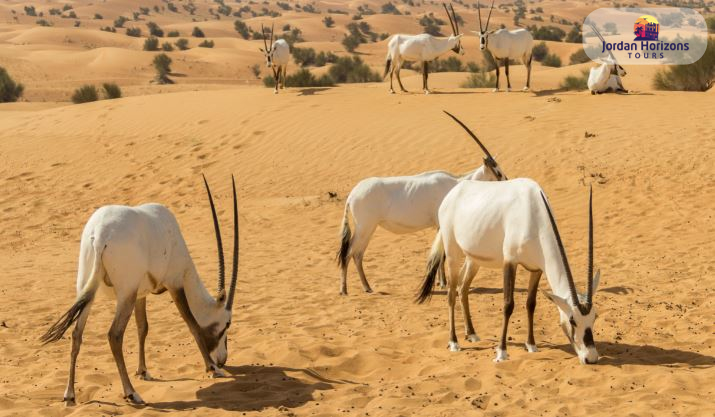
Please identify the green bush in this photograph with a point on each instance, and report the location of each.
(173, 34)
(182, 44)
(85, 94)
(197, 32)
(151, 44)
(328, 21)
(574, 36)
(576, 83)
(111, 91)
(540, 51)
(352, 70)
(43, 22)
(134, 32)
(579, 57)
(551, 60)
(302, 78)
(710, 21)
(162, 64)
(547, 33)
(10, 91)
(242, 29)
(167, 47)
(206, 44)
(155, 30)
(110, 29)
(256, 70)
(98, 16)
(451, 64)
(351, 42)
(481, 79)
(389, 8)
(698, 76)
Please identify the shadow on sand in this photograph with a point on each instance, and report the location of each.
(312, 91)
(619, 354)
(255, 388)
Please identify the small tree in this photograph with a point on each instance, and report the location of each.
(256, 70)
(162, 64)
(155, 30)
(111, 91)
(328, 21)
(134, 32)
(10, 91)
(173, 34)
(197, 32)
(151, 44)
(120, 21)
(351, 42)
(182, 44)
(242, 29)
(206, 44)
(551, 60)
(166, 46)
(540, 51)
(85, 94)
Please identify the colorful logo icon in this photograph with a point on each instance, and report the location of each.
(646, 28)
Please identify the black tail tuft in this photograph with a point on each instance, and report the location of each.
(388, 63)
(344, 250)
(433, 266)
(58, 329)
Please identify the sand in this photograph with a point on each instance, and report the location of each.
(296, 346)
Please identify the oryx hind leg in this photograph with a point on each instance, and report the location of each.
(509, 278)
(69, 396)
(125, 306)
(531, 307)
(399, 80)
(142, 331)
(452, 281)
(361, 238)
(442, 277)
(468, 273)
(506, 71)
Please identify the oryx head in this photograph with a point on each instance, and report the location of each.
(215, 335)
(484, 31)
(268, 51)
(577, 313)
(456, 36)
(613, 65)
(491, 170)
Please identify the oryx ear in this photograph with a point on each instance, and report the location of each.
(221, 297)
(596, 279)
(561, 303)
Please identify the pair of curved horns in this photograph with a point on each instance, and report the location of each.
(452, 18)
(219, 244)
(479, 11)
(263, 32)
(595, 30)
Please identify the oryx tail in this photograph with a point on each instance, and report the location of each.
(435, 262)
(84, 299)
(346, 238)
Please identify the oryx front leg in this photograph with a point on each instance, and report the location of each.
(509, 278)
(425, 75)
(399, 80)
(359, 243)
(116, 340)
(531, 307)
(506, 71)
(142, 331)
(69, 397)
(469, 272)
(496, 63)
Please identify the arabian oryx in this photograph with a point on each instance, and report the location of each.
(401, 205)
(137, 251)
(277, 58)
(505, 45)
(421, 48)
(607, 76)
(503, 225)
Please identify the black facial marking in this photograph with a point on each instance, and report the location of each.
(572, 321)
(588, 338)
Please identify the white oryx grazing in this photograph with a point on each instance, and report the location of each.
(607, 76)
(401, 205)
(421, 48)
(503, 225)
(137, 251)
(277, 58)
(505, 45)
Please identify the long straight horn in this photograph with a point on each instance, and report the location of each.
(595, 30)
(490, 16)
(234, 271)
(479, 11)
(263, 32)
(451, 23)
(454, 16)
(272, 27)
(589, 290)
(219, 245)
(562, 251)
(470, 133)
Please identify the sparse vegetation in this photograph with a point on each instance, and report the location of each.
(242, 29)
(308, 57)
(430, 24)
(328, 21)
(540, 51)
(451, 64)
(480, 79)
(85, 94)
(579, 57)
(155, 30)
(120, 21)
(43, 22)
(182, 44)
(173, 34)
(574, 36)
(256, 70)
(151, 44)
(547, 33)
(10, 91)
(352, 70)
(30, 11)
(389, 8)
(576, 83)
(206, 44)
(167, 47)
(135, 32)
(698, 76)
(302, 78)
(111, 91)
(162, 64)
(98, 16)
(197, 32)
(710, 22)
(551, 60)
(110, 29)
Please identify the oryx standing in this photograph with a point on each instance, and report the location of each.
(607, 76)
(401, 205)
(503, 225)
(277, 58)
(421, 48)
(505, 45)
(137, 251)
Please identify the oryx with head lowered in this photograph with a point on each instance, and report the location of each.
(137, 251)
(277, 57)
(504, 225)
(505, 45)
(401, 205)
(607, 76)
(421, 48)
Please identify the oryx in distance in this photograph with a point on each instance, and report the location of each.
(136, 251)
(400, 205)
(421, 48)
(504, 225)
(277, 58)
(607, 76)
(505, 45)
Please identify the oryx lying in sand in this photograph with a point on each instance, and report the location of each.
(505, 45)
(277, 57)
(607, 76)
(401, 205)
(421, 48)
(503, 225)
(136, 251)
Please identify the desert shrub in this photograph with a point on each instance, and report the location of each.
(352, 70)
(197, 32)
(98, 16)
(85, 94)
(472, 66)
(302, 78)
(155, 30)
(547, 33)
(430, 24)
(30, 11)
(579, 57)
(309, 8)
(294, 36)
(351, 42)
(77, 23)
(172, 7)
(10, 91)
(698, 76)
(328, 21)
(241, 28)
(111, 91)
(120, 21)
(173, 34)
(66, 7)
(540, 51)
(110, 29)
(480, 79)
(135, 32)
(325, 58)
(284, 6)
(144, 11)
(710, 22)
(55, 12)
(451, 64)
(551, 60)
(166, 46)
(576, 83)
(151, 44)
(224, 9)
(162, 64)
(43, 22)
(182, 44)
(307, 57)
(389, 8)
(206, 44)
(256, 70)
(574, 35)
(70, 15)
